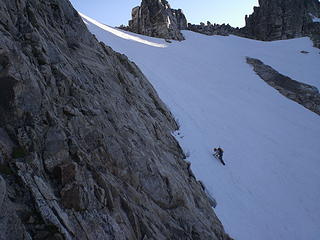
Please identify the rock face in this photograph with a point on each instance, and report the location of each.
(155, 18)
(283, 19)
(213, 29)
(304, 94)
(86, 150)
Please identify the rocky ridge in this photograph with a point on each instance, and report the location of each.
(157, 19)
(284, 19)
(213, 29)
(86, 150)
(304, 94)
(272, 20)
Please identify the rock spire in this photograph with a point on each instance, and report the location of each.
(155, 18)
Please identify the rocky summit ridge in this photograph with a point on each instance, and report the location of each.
(284, 19)
(272, 20)
(86, 145)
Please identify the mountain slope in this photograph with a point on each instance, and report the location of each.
(86, 145)
(270, 187)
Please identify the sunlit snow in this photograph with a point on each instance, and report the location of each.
(120, 34)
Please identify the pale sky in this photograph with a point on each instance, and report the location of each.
(117, 12)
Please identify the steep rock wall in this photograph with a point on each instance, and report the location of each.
(283, 19)
(157, 19)
(86, 150)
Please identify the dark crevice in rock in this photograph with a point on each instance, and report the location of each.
(6, 92)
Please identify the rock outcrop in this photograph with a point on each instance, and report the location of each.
(213, 29)
(284, 19)
(157, 19)
(304, 94)
(86, 150)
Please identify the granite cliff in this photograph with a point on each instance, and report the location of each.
(157, 19)
(284, 19)
(86, 150)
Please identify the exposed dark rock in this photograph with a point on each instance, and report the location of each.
(86, 150)
(284, 19)
(313, 31)
(10, 224)
(3, 190)
(181, 19)
(213, 29)
(75, 196)
(212, 200)
(304, 52)
(304, 94)
(69, 173)
(157, 19)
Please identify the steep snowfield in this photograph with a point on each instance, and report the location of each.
(270, 187)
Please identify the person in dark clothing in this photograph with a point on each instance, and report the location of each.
(218, 153)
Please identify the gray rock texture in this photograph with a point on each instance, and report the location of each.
(86, 150)
(284, 19)
(155, 18)
(213, 29)
(304, 94)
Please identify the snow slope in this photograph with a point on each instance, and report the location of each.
(270, 187)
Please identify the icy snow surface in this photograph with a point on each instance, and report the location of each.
(270, 187)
